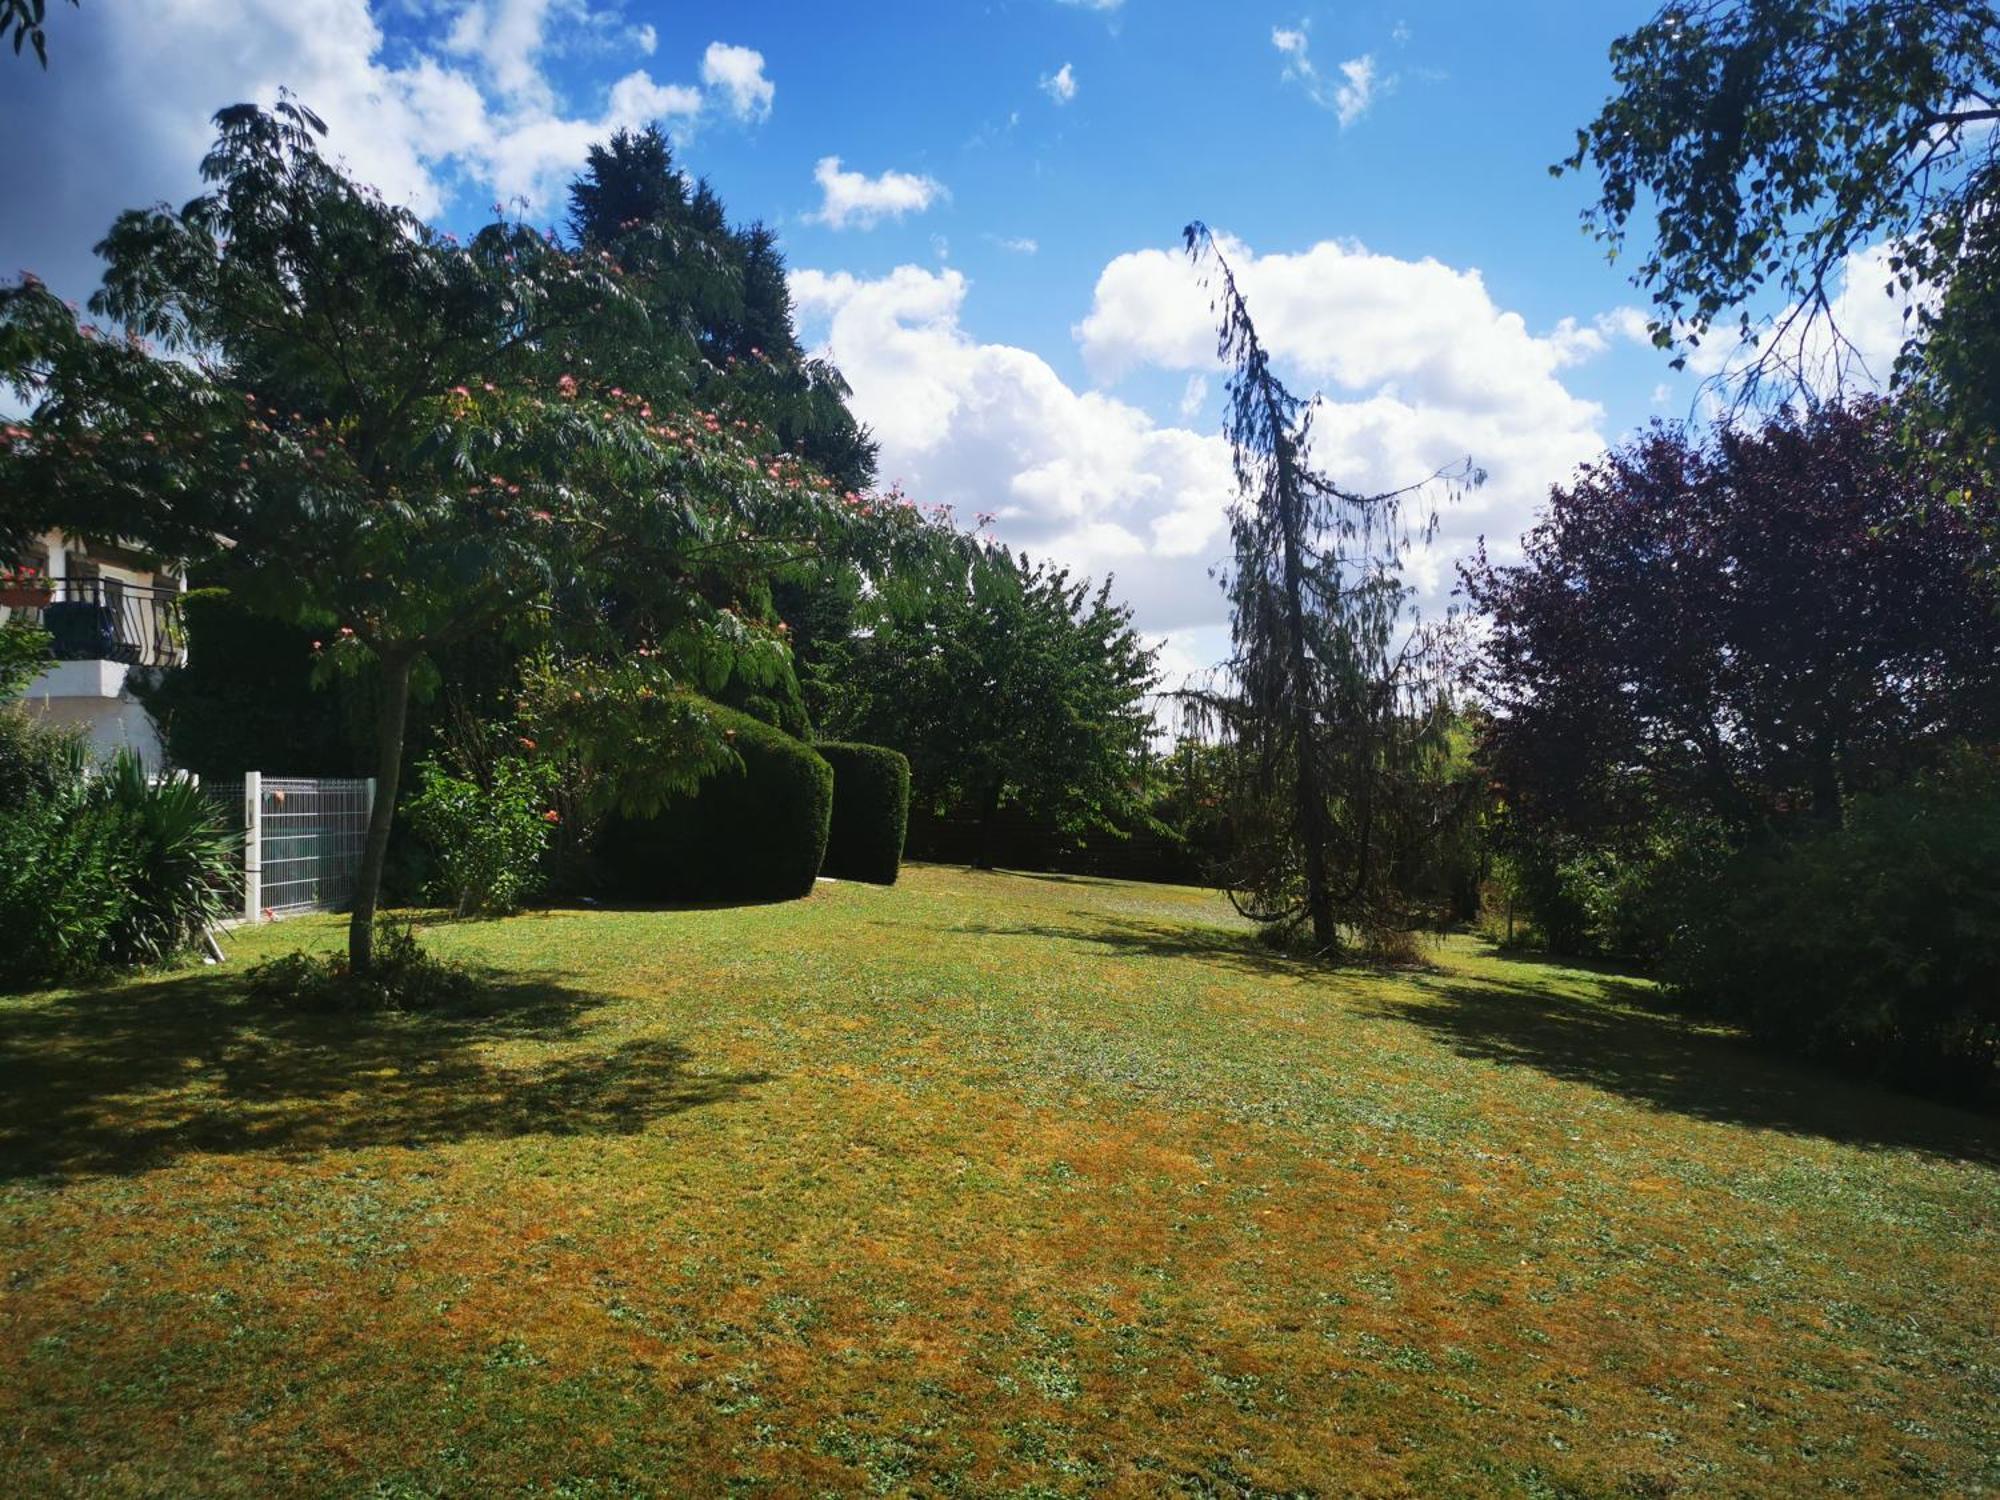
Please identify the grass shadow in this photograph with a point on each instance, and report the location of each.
(1238, 948)
(1623, 1038)
(129, 1079)
(1127, 937)
(1626, 1041)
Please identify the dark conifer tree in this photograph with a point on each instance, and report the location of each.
(719, 301)
(1332, 702)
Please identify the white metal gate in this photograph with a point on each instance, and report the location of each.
(302, 839)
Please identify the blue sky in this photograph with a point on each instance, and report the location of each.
(993, 268)
(1181, 111)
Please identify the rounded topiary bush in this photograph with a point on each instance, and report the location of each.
(754, 831)
(871, 811)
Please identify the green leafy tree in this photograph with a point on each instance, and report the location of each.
(1004, 681)
(1333, 706)
(1872, 944)
(1769, 140)
(396, 438)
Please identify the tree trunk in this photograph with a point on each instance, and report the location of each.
(388, 770)
(1309, 795)
(1313, 835)
(989, 826)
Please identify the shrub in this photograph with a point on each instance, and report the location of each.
(1582, 901)
(24, 654)
(752, 831)
(36, 758)
(106, 870)
(1875, 944)
(245, 698)
(487, 840)
(871, 811)
(405, 977)
(1571, 900)
(62, 889)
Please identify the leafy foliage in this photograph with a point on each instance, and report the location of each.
(754, 829)
(718, 302)
(1627, 897)
(105, 870)
(407, 441)
(1874, 944)
(1003, 681)
(62, 891)
(1187, 800)
(25, 19)
(179, 871)
(247, 697)
(631, 738)
(1770, 139)
(871, 811)
(1745, 629)
(487, 838)
(24, 654)
(1332, 703)
(37, 758)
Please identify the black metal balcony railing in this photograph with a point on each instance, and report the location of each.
(107, 619)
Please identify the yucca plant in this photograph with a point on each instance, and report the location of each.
(103, 869)
(177, 860)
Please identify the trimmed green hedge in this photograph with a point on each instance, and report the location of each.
(871, 812)
(751, 833)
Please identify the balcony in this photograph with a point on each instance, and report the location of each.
(99, 631)
(106, 621)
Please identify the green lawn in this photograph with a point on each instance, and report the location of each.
(984, 1184)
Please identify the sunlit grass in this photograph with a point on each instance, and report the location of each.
(979, 1185)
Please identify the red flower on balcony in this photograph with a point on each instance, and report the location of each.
(25, 588)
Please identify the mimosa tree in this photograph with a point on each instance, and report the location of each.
(400, 440)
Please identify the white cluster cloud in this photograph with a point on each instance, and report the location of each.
(1079, 476)
(739, 73)
(1420, 367)
(1348, 93)
(506, 38)
(1061, 84)
(854, 200)
(125, 117)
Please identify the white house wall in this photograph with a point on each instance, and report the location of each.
(109, 724)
